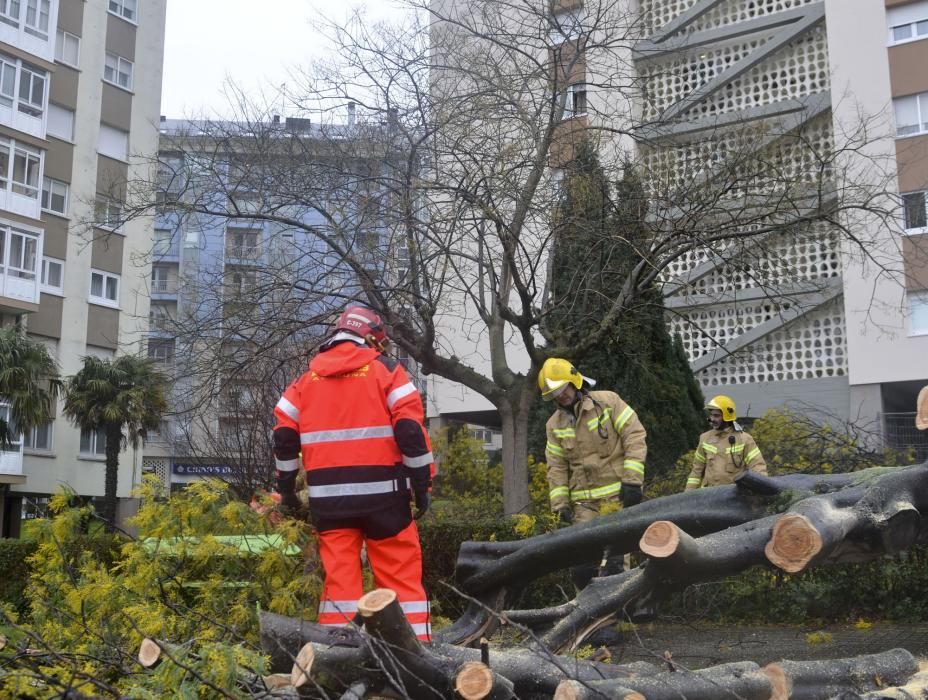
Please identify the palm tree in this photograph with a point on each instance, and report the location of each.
(123, 397)
(29, 384)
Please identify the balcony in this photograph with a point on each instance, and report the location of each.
(11, 459)
(166, 250)
(242, 254)
(34, 34)
(164, 287)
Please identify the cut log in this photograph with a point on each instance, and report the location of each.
(384, 619)
(302, 665)
(282, 637)
(743, 680)
(476, 681)
(277, 680)
(915, 689)
(809, 680)
(886, 519)
(151, 653)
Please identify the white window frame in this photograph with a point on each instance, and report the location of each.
(97, 440)
(51, 187)
(40, 9)
(17, 436)
(64, 39)
(126, 9)
(30, 439)
(107, 214)
(921, 110)
(915, 229)
(116, 65)
(11, 18)
(10, 67)
(27, 253)
(45, 286)
(60, 122)
(169, 347)
(30, 74)
(917, 302)
(909, 16)
(105, 277)
(570, 104)
(32, 158)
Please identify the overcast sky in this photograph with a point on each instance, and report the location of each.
(253, 43)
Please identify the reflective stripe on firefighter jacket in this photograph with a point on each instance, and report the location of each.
(718, 462)
(357, 420)
(592, 448)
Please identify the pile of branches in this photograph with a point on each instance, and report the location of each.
(790, 523)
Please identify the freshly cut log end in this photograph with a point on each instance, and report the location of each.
(575, 690)
(780, 685)
(375, 601)
(2, 642)
(474, 681)
(661, 539)
(793, 543)
(301, 667)
(149, 652)
(275, 681)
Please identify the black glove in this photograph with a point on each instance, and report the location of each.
(631, 495)
(423, 501)
(565, 515)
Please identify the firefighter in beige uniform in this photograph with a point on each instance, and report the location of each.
(595, 452)
(726, 451)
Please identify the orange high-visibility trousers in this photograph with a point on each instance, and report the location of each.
(396, 562)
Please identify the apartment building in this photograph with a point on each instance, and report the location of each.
(243, 284)
(801, 319)
(80, 90)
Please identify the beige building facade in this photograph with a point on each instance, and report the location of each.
(78, 120)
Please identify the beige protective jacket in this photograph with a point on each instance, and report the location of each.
(592, 449)
(718, 461)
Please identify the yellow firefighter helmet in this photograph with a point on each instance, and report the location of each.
(725, 405)
(556, 373)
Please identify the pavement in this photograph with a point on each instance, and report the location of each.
(702, 645)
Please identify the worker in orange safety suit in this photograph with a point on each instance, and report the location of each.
(358, 422)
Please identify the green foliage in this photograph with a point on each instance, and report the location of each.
(29, 383)
(465, 474)
(600, 237)
(96, 598)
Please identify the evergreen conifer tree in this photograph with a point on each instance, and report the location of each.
(600, 232)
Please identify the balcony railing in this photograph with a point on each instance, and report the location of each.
(164, 286)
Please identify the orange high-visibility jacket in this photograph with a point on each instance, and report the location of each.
(358, 422)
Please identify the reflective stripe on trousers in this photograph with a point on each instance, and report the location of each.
(396, 562)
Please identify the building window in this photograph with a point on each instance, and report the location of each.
(575, 106)
(114, 143)
(53, 275)
(36, 21)
(68, 48)
(911, 114)
(104, 288)
(32, 82)
(242, 243)
(19, 253)
(39, 438)
(908, 22)
(60, 122)
(918, 312)
(164, 242)
(9, 12)
(913, 210)
(162, 281)
(55, 196)
(161, 350)
(125, 8)
(26, 166)
(93, 442)
(107, 213)
(15, 435)
(118, 70)
(7, 80)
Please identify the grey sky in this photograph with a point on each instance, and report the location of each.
(254, 44)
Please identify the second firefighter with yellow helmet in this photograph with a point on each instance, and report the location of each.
(725, 451)
(595, 444)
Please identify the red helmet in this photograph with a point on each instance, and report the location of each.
(364, 323)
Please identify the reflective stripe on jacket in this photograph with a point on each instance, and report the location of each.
(360, 425)
(717, 461)
(582, 464)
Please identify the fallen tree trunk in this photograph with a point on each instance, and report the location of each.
(810, 680)
(743, 680)
(282, 637)
(487, 570)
